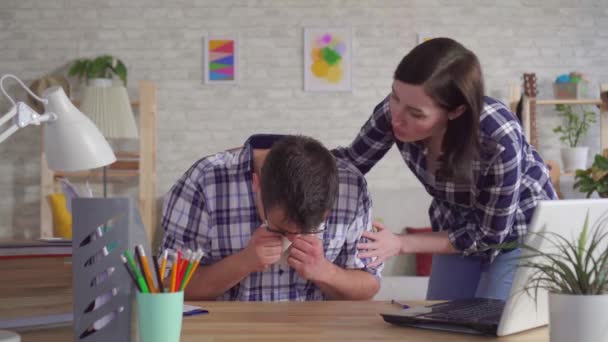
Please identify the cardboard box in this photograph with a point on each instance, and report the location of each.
(570, 90)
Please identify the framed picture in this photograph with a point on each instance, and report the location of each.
(221, 60)
(327, 59)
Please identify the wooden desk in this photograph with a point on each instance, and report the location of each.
(299, 321)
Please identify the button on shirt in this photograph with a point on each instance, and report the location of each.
(212, 207)
(509, 178)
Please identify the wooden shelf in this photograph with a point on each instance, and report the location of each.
(134, 104)
(139, 166)
(111, 174)
(569, 102)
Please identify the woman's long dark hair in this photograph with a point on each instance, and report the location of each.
(450, 75)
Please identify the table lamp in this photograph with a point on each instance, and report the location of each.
(71, 140)
(108, 106)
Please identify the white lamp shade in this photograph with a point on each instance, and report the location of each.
(109, 108)
(72, 142)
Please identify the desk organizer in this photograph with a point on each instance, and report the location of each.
(103, 292)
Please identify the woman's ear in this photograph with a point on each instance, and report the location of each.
(456, 112)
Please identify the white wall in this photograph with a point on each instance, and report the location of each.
(162, 41)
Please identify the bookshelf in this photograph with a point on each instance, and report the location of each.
(129, 165)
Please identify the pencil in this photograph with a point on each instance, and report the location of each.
(161, 287)
(197, 260)
(131, 274)
(182, 268)
(163, 265)
(188, 270)
(145, 267)
(138, 276)
(174, 272)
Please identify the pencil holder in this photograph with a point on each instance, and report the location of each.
(159, 316)
(103, 292)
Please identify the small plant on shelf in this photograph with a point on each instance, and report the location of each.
(105, 66)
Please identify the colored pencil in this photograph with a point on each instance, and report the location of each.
(182, 268)
(138, 276)
(163, 265)
(145, 266)
(199, 256)
(131, 274)
(161, 286)
(174, 272)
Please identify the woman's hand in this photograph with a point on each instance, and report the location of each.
(383, 245)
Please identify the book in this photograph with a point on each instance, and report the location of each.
(35, 248)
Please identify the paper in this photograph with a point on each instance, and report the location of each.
(285, 252)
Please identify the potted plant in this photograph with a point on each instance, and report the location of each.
(593, 179)
(101, 67)
(574, 126)
(575, 274)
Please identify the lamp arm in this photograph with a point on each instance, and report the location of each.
(22, 114)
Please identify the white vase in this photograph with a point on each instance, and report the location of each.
(574, 158)
(578, 318)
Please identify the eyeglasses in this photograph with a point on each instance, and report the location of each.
(320, 229)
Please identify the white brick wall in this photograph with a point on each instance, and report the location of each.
(161, 41)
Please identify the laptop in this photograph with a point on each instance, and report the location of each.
(520, 311)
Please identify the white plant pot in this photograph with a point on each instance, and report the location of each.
(100, 82)
(574, 158)
(576, 318)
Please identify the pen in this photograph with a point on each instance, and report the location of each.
(143, 261)
(138, 276)
(195, 312)
(125, 262)
(161, 287)
(403, 306)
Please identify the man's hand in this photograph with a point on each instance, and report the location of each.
(308, 259)
(263, 250)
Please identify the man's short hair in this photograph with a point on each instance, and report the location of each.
(300, 177)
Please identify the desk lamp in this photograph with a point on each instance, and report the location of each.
(71, 140)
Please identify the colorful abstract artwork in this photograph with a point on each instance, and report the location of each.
(221, 60)
(327, 59)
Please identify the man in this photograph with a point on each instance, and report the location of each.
(240, 206)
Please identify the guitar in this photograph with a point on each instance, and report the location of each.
(531, 91)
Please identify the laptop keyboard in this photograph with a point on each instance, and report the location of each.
(468, 310)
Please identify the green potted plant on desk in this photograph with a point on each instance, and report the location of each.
(575, 125)
(593, 179)
(574, 272)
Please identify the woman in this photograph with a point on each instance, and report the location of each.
(469, 152)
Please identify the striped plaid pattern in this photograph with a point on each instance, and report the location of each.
(212, 207)
(510, 178)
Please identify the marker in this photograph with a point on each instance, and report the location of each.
(403, 306)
